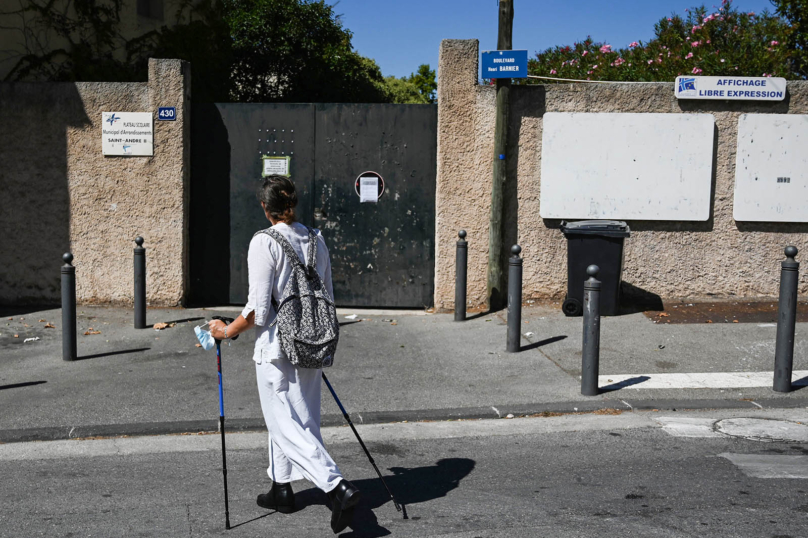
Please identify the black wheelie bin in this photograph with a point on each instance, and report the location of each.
(594, 242)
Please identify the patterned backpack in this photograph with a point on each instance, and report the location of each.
(306, 316)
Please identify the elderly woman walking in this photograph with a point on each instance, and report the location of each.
(290, 394)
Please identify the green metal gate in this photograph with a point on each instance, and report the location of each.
(382, 254)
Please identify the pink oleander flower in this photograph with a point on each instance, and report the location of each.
(588, 73)
(708, 41)
(689, 55)
(775, 43)
(633, 44)
(650, 62)
(606, 49)
(618, 62)
(629, 64)
(553, 71)
(594, 67)
(659, 60)
(723, 60)
(751, 13)
(694, 29)
(670, 20)
(764, 75)
(585, 53)
(695, 44)
(696, 70)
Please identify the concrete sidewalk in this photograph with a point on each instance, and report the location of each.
(391, 366)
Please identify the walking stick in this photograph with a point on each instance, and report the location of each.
(221, 429)
(350, 423)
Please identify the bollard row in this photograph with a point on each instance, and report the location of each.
(69, 348)
(140, 284)
(786, 321)
(461, 267)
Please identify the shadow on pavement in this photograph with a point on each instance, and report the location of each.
(410, 486)
(20, 385)
(625, 383)
(111, 353)
(544, 342)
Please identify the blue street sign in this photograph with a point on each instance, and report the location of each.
(167, 113)
(504, 64)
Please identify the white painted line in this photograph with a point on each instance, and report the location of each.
(708, 380)
(770, 465)
(688, 426)
(757, 404)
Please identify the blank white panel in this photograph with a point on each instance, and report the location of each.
(771, 168)
(626, 166)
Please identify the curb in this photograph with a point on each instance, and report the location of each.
(60, 433)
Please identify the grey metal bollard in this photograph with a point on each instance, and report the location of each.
(786, 319)
(514, 343)
(69, 352)
(461, 266)
(590, 356)
(140, 284)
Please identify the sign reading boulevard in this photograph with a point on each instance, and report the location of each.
(504, 64)
(130, 134)
(731, 88)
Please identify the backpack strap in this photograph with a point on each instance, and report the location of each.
(285, 245)
(312, 248)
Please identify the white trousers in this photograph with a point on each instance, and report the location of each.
(290, 400)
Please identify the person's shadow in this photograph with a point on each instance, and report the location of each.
(409, 486)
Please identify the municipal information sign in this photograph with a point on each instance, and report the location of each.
(731, 88)
(130, 134)
(504, 64)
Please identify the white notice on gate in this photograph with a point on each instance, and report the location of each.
(276, 166)
(128, 134)
(368, 189)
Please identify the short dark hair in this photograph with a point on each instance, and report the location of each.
(279, 195)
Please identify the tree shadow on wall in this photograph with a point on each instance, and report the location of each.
(35, 218)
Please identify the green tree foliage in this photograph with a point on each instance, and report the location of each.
(796, 13)
(240, 50)
(418, 88)
(725, 42)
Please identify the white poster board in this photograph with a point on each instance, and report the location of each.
(771, 168)
(128, 134)
(275, 166)
(626, 166)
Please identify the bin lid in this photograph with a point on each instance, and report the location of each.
(607, 228)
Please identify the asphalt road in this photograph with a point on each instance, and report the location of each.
(567, 476)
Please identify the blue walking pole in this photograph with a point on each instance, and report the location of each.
(221, 429)
(350, 423)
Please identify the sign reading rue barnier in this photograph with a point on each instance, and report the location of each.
(130, 134)
(731, 88)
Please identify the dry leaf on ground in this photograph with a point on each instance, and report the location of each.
(198, 345)
(91, 331)
(42, 321)
(664, 315)
(161, 326)
(50, 326)
(16, 336)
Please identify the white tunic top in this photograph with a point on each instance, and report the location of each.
(269, 271)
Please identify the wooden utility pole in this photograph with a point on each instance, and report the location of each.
(497, 295)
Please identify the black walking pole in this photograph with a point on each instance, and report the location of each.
(68, 309)
(350, 423)
(590, 355)
(140, 284)
(786, 318)
(514, 340)
(461, 266)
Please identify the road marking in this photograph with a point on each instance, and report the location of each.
(769, 465)
(708, 380)
(688, 426)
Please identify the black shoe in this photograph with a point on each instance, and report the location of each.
(343, 500)
(280, 497)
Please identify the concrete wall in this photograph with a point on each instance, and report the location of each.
(716, 258)
(61, 194)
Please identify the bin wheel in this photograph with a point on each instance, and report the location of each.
(572, 307)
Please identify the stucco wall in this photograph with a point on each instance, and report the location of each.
(61, 194)
(716, 258)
